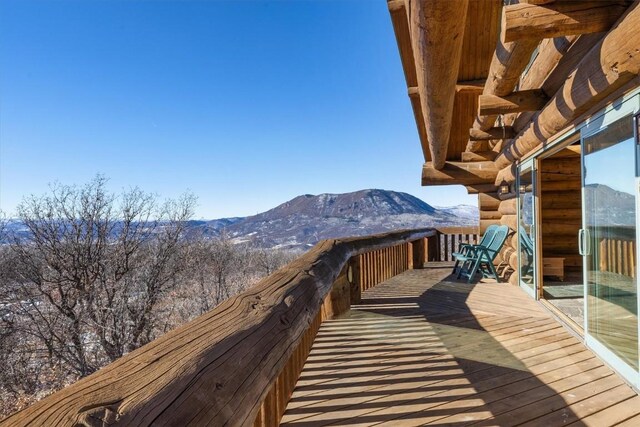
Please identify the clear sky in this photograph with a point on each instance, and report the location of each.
(244, 103)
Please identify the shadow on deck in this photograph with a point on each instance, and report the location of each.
(423, 348)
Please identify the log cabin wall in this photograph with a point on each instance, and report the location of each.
(550, 65)
(561, 206)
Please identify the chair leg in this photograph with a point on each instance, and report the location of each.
(474, 270)
(455, 266)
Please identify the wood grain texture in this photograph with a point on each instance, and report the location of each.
(437, 31)
(611, 63)
(561, 18)
(219, 368)
(502, 132)
(508, 63)
(515, 102)
(459, 173)
(425, 349)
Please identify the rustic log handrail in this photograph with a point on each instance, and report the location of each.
(450, 238)
(219, 368)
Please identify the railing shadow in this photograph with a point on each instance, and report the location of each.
(385, 365)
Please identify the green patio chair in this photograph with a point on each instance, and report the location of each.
(480, 258)
(527, 249)
(464, 248)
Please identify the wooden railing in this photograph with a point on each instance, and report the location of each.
(450, 238)
(238, 364)
(617, 250)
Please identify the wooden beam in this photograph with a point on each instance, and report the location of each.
(561, 18)
(524, 100)
(470, 86)
(481, 188)
(416, 106)
(613, 62)
(437, 32)
(508, 62)
(555, 60)
(459, 173)
(478, 156)
(400, 21)
(504, 132)
(538, 1)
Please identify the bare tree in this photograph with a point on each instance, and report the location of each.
(94, 269)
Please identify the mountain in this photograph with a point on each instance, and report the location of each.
(303, 221)
(614, 208)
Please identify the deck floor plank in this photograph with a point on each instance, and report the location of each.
(425, 349)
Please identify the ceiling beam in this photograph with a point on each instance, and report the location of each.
(470, 86)
(526, 21)
(459, 173)
(612, 62)
(508, 62)
(481, 188)
(437, 32)
(504, 132)
(400, 21)
(479, 156)
(515, 102)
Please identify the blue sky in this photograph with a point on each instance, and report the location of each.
(246, 104)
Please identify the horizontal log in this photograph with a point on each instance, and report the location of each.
(470, 86)
(480, 156)
(508, 207)
(218, 368)
(490, 215)
(488, 201)
(527, 21)
(561, 228)
(485, 223)
(525, 100)
(508, 62)
(569, 166)
(612, 63)
(481, 188)
(552, 214)
(561, 201)
(510, 220)
(538, 1)
(504, 132)
(562, 185)
(507, 174)
(459, 173)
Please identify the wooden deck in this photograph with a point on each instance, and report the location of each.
(423, 348)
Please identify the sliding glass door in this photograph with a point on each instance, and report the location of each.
(608, 240)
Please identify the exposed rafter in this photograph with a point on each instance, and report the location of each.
(608, 66)
(560, 18)
(504, 132)
(437, 30)
(399, 18)
(526, 100)
(508, 62)
(459, 173)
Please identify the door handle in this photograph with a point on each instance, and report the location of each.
(584, 242)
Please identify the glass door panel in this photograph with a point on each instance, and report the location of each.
(526, 234)
(608, 239)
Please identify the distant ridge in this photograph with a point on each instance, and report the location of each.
(304, 220)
